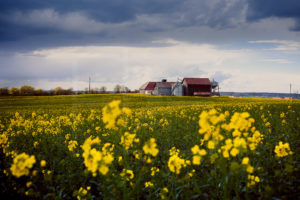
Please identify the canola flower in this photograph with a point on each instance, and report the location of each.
(163, 193)
(72, 145)
(243, 137)
(154, 170)
(191, 174)
(28, 184)
(3, 142)
(111, 112)
(43, 163)
(240, 125)
(175, 163)
(81, 193)
(22, 163)
(128, 139)
(282, 149)
(252, 180)
(127, 174)
(148, 184)
(94, 159)
(150, 147)
(197, 154)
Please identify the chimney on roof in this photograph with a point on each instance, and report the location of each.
(164, 80)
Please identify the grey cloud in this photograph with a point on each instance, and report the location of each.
(221, 76)
(50, 19)
(55, 23)
(275, 8)
(35, 24)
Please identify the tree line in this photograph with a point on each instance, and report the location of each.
(27, 90)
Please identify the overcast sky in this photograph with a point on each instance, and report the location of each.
(246, 45)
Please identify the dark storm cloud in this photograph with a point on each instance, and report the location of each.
(103, 10)
(259, 9)
(33, 24)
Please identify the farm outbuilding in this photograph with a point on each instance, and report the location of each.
(163, 88)
(185, 87)
(148, 88)
(196, 87)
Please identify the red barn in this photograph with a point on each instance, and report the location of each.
(196, 87)
(148, 88)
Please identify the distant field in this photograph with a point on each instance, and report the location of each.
(78, 102)
(133, 146)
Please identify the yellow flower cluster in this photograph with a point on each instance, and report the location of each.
(197, 154)
(82, 193)
(22, 163)
(239, 135)
(207, 123)
(240, 126)
(252, 180)
(127, 174)
(282, 149)
(127, 140)
(72, 145)
(163, 193)
(150, 147)
(175, 163)
(148, 184)
(97, 160)
(164, 123)
(154, 170)
(3, 142)
(111, 112)
(240, 122)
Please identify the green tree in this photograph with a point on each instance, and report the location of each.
(14, 91)
(39, 91)
(27, 90)
(58, 91)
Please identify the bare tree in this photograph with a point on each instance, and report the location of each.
(126, 89)
(117, 88)
(102, 89)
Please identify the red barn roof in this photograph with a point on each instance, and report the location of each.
(197, 81)
(148, 86)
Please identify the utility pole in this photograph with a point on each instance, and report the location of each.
(89, 85)
(290, 90)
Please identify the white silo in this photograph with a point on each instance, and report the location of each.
(177, 89)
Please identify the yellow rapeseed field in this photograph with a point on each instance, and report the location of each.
(143, 147)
